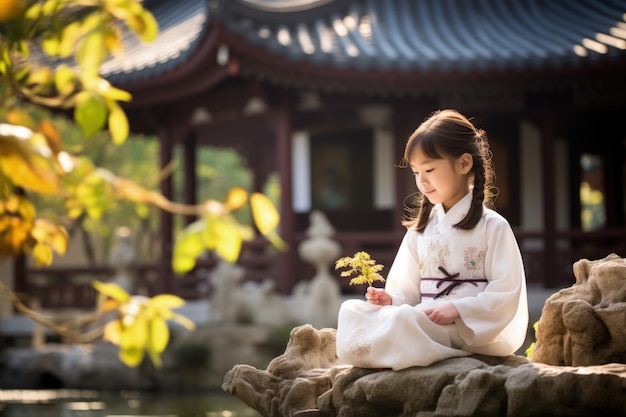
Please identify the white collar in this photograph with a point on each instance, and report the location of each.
(454, 215)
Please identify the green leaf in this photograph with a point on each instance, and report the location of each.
(90, 113)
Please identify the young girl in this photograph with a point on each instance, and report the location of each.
(457, 284)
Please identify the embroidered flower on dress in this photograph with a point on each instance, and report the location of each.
(473, 259)
(441, 252)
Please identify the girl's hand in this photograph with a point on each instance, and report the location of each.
(378, 296)
(443, 314)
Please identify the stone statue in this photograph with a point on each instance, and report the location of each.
(236, 302)
(224, 280)
(317, 302)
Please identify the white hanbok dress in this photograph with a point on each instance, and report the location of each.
(479, 270)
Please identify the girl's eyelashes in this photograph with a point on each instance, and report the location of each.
(426, 171)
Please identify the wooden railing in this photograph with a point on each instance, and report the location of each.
(71, 287)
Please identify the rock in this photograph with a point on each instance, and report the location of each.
(308, 380)
(584, 324)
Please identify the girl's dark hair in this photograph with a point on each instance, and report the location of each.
(447, 133)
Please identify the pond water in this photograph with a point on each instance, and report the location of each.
(87, 403)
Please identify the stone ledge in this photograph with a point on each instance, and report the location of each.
(308, 380)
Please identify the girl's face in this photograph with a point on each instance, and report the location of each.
(444, 181)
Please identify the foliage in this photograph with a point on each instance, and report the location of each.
(140, 325)
(361, 265)
(219, 231)
(37, 41)
(51, 52)
(529, 351)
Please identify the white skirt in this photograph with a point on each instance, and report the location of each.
(396, 337)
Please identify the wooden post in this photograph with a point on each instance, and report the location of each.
(190, 162)
(165, 269)
(286, 274)
(551, 260)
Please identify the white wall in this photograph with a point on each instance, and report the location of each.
(301, 172)
(384, 179)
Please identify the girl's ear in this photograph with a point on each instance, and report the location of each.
(465, 163)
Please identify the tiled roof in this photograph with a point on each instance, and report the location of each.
(404, 35)
(182, 23)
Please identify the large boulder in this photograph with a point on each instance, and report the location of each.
(585, 324)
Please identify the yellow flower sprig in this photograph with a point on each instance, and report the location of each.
(361, 265)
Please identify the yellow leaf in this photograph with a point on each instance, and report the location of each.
(112, 290)
(65, 80)
(109, 305)
(264, 213)
(19, 117)
(51, 46)
(41, 76)
(11, 9)
(183, 321)
(135, 335)
(92, 50)
(118, 123)
(237, 197)
(276, 241)
(155, 357)
(113, 41)
(114, 94)
(188, 246)
(131, 356)
(51, 234)
(113, 332)
(144, 24)
(222, 235)
(167, 301)
(159, 335)
(52, 135)
(67, 42)
(42, 255)
(22, 206)
(24, 167)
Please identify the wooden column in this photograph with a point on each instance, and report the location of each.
(549, 192)
(165, 261)
(286, 271)
(189, 169)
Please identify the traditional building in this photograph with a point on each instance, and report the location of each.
(326, 92)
